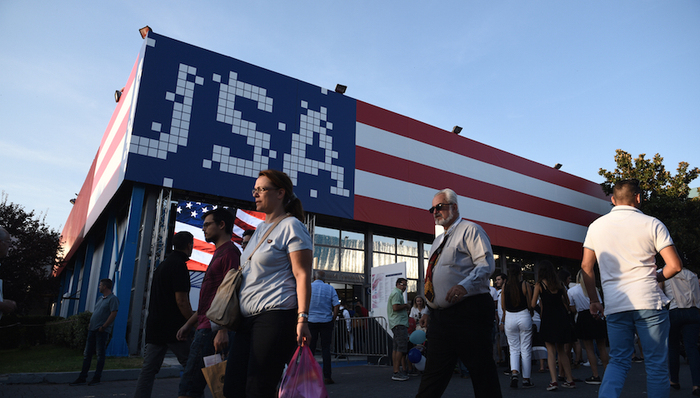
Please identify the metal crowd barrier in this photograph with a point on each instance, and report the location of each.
(362, 336)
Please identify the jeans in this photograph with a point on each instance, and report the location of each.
(685, 324)
(518, 328)
(152, 361)
(325, 331)
(461, 332)
(652, 326)
(193, 382)
(96, 343)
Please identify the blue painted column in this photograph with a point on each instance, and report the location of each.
(125, 273)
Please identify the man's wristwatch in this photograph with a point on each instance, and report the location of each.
(303, 315)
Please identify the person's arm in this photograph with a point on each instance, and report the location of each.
(301, 268)
(477, 244)
(185, 329)
(673, 263)
(108, 322)
(501, 326)
(587, 266)
(183, 304)
(528, 296)
(535, 296)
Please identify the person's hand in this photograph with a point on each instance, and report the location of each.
(597, 310)
(455, 294)
(303, 333)
(183, 333)
(221, 340)
(423, 321)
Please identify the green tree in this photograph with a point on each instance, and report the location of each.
(34, 251)
(665, 197)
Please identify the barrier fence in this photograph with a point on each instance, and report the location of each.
(362, 336)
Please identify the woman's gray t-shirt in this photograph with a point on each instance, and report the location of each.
(268, 281)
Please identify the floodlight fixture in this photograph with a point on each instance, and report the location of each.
(144, 31)
(117, 95)
(339, 88)
(558, 166)
(456, 129)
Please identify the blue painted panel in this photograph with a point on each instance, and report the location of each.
(209, 123)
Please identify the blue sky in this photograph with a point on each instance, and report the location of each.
(552, 81)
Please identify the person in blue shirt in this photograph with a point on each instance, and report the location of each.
(99, 329)
(323, 309)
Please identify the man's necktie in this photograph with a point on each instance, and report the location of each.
(429, 291)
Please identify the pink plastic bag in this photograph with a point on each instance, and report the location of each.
(303, 377)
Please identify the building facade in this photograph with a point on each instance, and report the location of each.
(194, 125)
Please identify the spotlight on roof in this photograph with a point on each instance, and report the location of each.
(118, 95)
(144, 31)
(456, 129)
(339, 88)
(558, 166)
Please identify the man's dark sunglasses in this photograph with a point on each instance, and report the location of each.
(438, 207)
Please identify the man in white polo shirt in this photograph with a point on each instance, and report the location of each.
(625, 242)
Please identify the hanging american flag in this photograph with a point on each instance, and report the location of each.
(190, 218)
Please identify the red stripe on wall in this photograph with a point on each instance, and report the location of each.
(431, 135)
(411, 172)
(411, 218)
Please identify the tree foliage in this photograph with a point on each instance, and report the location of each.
(34, 251)
(664, 196)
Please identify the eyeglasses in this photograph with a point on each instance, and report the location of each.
(208, 223)
(260, 190)
(438, 207)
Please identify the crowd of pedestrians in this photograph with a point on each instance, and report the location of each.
(463, 315)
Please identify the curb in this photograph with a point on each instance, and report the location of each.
(69, 377)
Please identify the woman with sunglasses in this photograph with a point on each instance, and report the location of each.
(275, 292)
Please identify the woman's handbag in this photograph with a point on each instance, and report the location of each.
(225, 309)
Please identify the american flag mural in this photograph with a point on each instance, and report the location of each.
(199, 121)
(190, 217)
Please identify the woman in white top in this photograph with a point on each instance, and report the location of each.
(589, 329)
(275, 292)
(418, 310)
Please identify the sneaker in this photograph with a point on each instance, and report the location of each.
(593, 380)
(552, 386)
(587, 363)
(398, 376)
(637, 359)
(94, 382)
(413, 373)
(528, 384)
(514, 381)
(78, 382)
(507, 372)
(567, 384)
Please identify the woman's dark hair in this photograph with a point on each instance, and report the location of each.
(281, 180)
(513, 284)
(548, 273)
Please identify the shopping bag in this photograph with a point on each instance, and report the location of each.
(303, 378)
(214, 375)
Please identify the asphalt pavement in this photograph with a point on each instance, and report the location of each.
(353, 379)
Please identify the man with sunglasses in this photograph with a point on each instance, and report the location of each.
(461, 307)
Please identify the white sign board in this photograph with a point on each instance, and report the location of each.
(383, 283)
